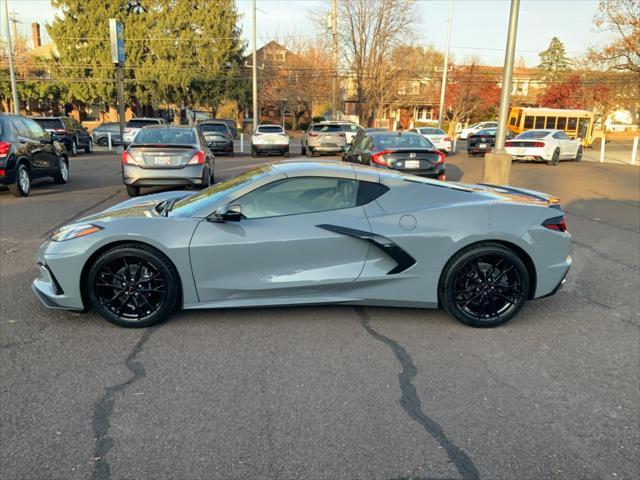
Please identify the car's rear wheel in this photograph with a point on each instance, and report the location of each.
(484, 285)
(22, 185)
(74, 148)
(303, 149)
(62, 175)
(254, 152)
(578, 156)
(555, 158)
(133, 286)
(89, 147)
(133, 191)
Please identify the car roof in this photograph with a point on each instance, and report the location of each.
(393, 134)
(168, 127)
(214, 122)
(49, 118)
(269, 125)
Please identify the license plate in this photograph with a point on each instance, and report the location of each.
(482, 145)
(163, 160)
(519, 151)
(412, 164)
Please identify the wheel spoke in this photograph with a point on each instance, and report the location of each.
(112, 299)
(508, 269)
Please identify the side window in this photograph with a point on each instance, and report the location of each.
(20, 127)
(572, 123)
(36, 130)
(562, 123)
(528, 122)
(540, 122)
(550, 123)
(562, 136)
(292, 196)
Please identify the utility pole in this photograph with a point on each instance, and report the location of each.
(505, 94)
(497, 164)
(255, 66)
(14, 31)
(116, 37)
(443, 87)
(12, 72)
(334, 83)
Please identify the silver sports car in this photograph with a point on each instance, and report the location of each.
(301, 233)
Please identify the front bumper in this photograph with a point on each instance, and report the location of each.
(149, 177)
(224, 147)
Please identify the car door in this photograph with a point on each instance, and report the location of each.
(44, 151)
(280, 248)
(564, 144)
(39, 160)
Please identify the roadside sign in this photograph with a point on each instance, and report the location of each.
(116, 33)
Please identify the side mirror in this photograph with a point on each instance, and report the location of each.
(226, 213)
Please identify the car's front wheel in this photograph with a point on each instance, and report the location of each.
(133, 286)
(133, 191)
(89, 147)
(578, 156)
(62, 175)
(484, 285)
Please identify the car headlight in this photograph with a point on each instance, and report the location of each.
(76, 231)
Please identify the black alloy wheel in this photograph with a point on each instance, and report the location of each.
(485, 286)
(133, 286)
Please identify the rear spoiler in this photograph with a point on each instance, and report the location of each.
(553, 202)
(162, 145)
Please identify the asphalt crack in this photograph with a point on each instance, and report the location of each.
(411, 404)
(103, 409)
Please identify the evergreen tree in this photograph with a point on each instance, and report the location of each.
(182, 51)
(554, 59)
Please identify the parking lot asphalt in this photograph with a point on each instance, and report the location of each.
(329, 392)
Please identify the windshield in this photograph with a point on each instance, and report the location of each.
(270, 129)
(431, 131)
(165, 136)
(534, 134)
(213, 127)
(194, 203)
(326, 128)
(487, 131)
(141, 123)
(349, 127)
(49, 123)
(403, 141)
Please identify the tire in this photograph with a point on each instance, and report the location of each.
(474, 294)
(21, 187)
(555, 158)
(303, 149)
(133, 191)
(254, 152)
(578, 156)
(103, 141)
(212, 178)
(471, 154)
(231, 153)
(206, 179)
(309, 152)
(286, 153)
(74, 148)
(133, 286)
(89, 147)
(62, 175)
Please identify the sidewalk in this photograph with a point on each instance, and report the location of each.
(615, 151)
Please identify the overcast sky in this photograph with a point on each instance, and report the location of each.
(479, 26)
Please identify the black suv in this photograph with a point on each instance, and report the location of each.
(27, 152)
(67, 131)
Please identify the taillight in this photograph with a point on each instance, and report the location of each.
(128, 159)
(538, 144)
(313, 134)
(508, 144)
(377, 158)
(342, 134)
(441, 159)
(4, 149)
(197, 159)
(558, 224)
(447, 139)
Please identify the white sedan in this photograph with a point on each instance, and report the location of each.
(436, 136)
(270, 139)
(550, 146)
(475, 128)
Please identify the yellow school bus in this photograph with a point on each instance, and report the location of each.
(575, 123)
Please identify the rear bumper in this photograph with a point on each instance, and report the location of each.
(271, 147)
(563, 270)
(479, 150)
(148, 177)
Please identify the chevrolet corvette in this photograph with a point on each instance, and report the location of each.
(304, 233)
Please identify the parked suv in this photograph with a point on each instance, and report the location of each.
(100, 134)
(133, 126)
(67, 131)
(28, 152)
(324, 137)
(230, 123)
(218, 136)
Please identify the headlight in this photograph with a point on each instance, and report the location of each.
(76, 231)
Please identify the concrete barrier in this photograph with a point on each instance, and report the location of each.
(497, 168)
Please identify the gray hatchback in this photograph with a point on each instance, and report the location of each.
(167, 156)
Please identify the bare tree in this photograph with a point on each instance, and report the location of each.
(369, 32)
(622, 19)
